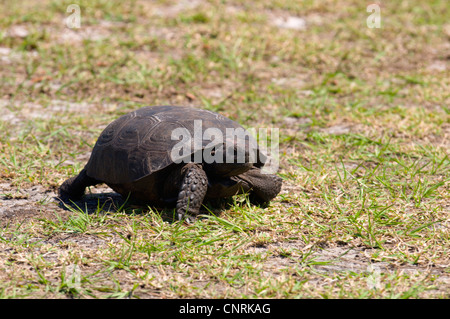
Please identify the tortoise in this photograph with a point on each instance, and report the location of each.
(134, 155)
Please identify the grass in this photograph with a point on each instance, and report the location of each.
(364, 137)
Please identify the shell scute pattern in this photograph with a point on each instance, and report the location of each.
(140, 143)
(112, 130)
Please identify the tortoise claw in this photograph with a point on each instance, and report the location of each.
(188, 219)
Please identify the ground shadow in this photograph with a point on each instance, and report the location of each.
(112, 202)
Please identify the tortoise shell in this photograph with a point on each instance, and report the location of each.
(140, 143)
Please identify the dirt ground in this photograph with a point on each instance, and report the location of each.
(364, 126)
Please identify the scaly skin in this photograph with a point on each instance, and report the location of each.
(192, 191)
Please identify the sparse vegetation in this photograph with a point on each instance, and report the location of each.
(364, 138)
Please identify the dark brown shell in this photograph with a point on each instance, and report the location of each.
(139, 143)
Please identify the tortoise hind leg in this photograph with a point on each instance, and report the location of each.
(74, 187)
(193, 189)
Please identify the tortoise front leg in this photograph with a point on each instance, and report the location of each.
(193, 189)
